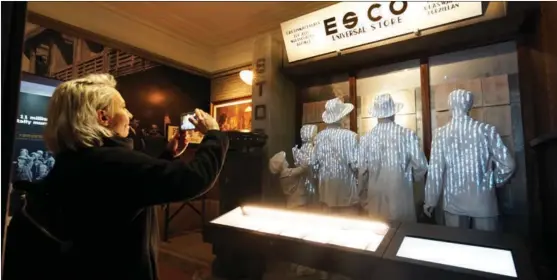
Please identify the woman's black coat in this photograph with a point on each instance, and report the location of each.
(98, 202)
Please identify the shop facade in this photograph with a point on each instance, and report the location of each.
(486, 48)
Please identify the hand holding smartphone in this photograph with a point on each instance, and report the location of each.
(185, 123)
(198, 120)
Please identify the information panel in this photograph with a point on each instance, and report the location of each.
(478, 258)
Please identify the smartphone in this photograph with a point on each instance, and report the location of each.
(185, 123)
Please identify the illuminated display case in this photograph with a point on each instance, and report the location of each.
(362, 249)
(343, 232)
(450, 253)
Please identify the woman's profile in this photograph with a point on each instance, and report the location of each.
(92, 216)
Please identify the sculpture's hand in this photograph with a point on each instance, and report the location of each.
(428, 210)
(296, 155)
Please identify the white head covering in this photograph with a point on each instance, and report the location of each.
(335, 110)
(276, 163)
(384, 107)
(461, 101)
(308, 132)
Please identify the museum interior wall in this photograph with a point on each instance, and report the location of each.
(163, 91)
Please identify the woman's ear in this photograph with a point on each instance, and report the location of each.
(102, 117)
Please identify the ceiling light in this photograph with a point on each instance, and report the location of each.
(247, 76)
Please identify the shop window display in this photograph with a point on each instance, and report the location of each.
(490, 75)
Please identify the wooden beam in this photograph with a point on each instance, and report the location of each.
(34, 32)
(299, 114)
(353, 99)
(109, 42)
(426, 105)
(231, 71)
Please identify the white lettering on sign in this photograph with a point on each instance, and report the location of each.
(350, 24)
(32, 120)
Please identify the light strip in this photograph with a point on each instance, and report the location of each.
(232, 103)
(36, 89)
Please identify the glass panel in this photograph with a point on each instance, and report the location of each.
(491, 74)
(402, 81)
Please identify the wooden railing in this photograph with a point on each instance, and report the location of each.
(111, 61)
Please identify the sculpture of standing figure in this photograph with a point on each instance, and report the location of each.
(335, 160)
(468, 159)
(390, 160)
(302, 157)
(291, 180)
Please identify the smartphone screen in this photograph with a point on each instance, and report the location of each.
(185, 121)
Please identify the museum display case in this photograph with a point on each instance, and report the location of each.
(339, 231)
(363, 248)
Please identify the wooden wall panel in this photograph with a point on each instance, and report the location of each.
(537, 59)
(229, 87)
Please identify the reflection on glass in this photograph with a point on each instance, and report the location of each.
(344, 232)
(453, 254)
(234, 115)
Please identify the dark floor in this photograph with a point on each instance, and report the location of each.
(171, 272)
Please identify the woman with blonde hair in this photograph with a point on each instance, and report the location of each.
(92, 217)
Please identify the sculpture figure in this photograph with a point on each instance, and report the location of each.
(335, 160)
(390, 160)
(302, 157)
(468, 160)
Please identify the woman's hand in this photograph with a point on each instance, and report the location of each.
(203, 122)
(174, 143)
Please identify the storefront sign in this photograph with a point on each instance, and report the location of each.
(350, 24)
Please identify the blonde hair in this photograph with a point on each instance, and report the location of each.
(72, 113)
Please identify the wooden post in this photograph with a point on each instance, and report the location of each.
(426, 105)
(353, 93)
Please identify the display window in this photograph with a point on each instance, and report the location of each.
(490, 73)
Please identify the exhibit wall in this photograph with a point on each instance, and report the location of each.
(163, 91)
(231, 103)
